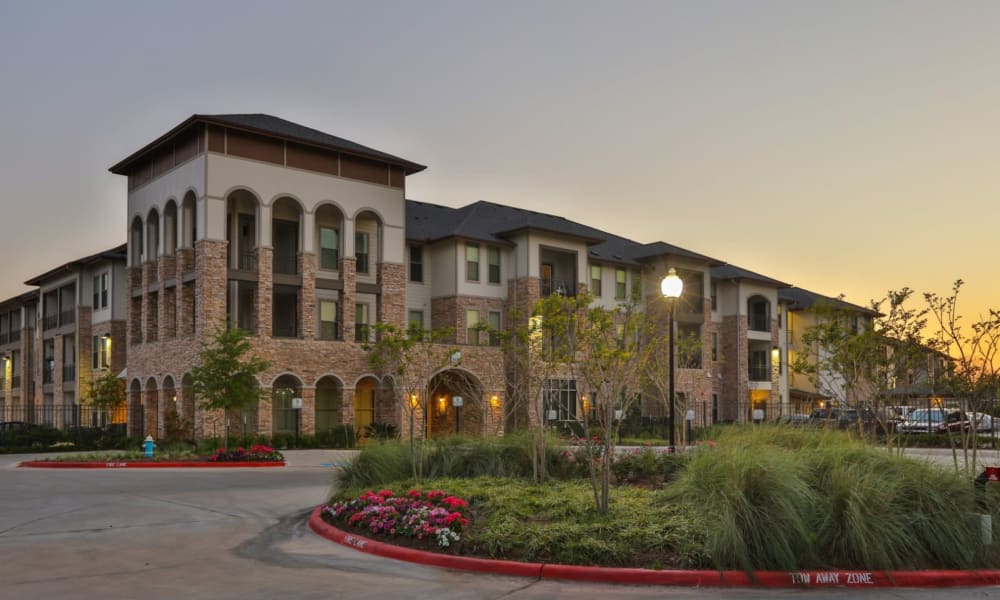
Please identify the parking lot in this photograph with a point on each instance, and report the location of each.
(177, 533)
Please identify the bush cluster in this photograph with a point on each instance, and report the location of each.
(256, 453)
(42, 438)
(432, 516)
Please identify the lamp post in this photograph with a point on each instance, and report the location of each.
(671, 288)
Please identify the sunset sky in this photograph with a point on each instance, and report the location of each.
(845, 147)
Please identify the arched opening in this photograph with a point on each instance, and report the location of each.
(758, 313)
(151, 410)
(283, 415)
(242, 209)
(136, 242)
(175, 428)
(152, 235)
(136, 422)
(170, 228)
(364, 403)
(286, 218)
(329, 225)
(367, 243)
(186, 403)
(329, 404)
(189, 229)
(454, 404)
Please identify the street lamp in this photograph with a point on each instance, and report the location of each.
(671, 288)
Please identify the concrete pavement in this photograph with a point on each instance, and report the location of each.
(181, 533)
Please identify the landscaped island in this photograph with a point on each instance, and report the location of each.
(255, 456)
(760, 498)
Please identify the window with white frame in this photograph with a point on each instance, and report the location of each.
(329, 326)
(472, 327)
(493, 262)
(416, 264)
(329, 248)
(595, 280)
(472, 262)
(620, 288)
(559, 397)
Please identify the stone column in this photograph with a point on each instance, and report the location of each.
(265, 291)
(307, 425)
(307, 295)
(210, 287)
(347, 302)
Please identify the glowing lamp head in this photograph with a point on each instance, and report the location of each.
(672, 285)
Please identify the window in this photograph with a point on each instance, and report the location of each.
(494, 323)
(329, 327)
(636, 285)
(715, 295)
(472, 327)
(97, 293)
(715, 408)
(361, 323)
(493, 260)
(329, 248)
(472, 262)
(361, 251)
(48, 360)
(99, 355)
(415, 319)
(559, 396)
(95, 351)
(619, 284)
(416, 264)
(715, 346)
(595, 280)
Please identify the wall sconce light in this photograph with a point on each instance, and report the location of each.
(413, 401)
(442, 405)
(494, 401)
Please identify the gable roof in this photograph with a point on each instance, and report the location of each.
(800, 299)
(276, 127)
(732, 272)
(116, 253)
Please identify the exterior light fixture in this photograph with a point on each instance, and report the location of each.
(671, 287)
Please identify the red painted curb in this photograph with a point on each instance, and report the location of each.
(51, 464)
(774, 579)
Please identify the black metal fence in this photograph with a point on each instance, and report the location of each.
(63, 416)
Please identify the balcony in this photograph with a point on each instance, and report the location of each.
(558, 287)
(760, 373)
(4, 338)
(67, 317)
(15, 382)
(759, 322)
(69, 372)
(247, 261)
(286, 265)
(47, 373)
(15, 336)
(50, 321)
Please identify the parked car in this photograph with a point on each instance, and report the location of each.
(935, 420)
(982, 421)
(794, 420)
(843, 418)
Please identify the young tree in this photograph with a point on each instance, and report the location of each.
(973, 352)
(226, 375)
(106, 391)
(412, 357)
(860, 364)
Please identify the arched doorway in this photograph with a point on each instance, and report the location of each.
(445, 415)
(151, 409)
(283, 415)
(364, 403)
(329, 404)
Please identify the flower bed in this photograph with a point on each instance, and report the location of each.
(434, 517)
(256, 453)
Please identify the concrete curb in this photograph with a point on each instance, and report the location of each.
(687, 578)
(51, 464)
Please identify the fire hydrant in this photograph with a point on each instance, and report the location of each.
(148, 446)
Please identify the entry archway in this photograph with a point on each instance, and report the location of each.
(444, 417)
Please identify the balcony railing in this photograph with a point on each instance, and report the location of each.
(246, 261)
(15, 336)
(330, 330)
(557, 286)
(760, 373)
(47, 375)
(50, 321)
(67, 317)
(69, 372)
(286, 265)
(4, 338)
(15, 381)
(759, 322)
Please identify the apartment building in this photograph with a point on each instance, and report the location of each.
(307, 241)
(55, 340)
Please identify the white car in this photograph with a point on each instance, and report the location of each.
(982, 421)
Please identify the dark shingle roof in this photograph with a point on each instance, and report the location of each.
(490, 222)
(116, 253)
(278, 127)
(734, 272)
(800, 299)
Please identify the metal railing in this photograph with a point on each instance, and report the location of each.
(557, 286)
(67, 317)
(759, 322)
(50, 321)
(69, 372)
(246, 261)
(760, 373)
